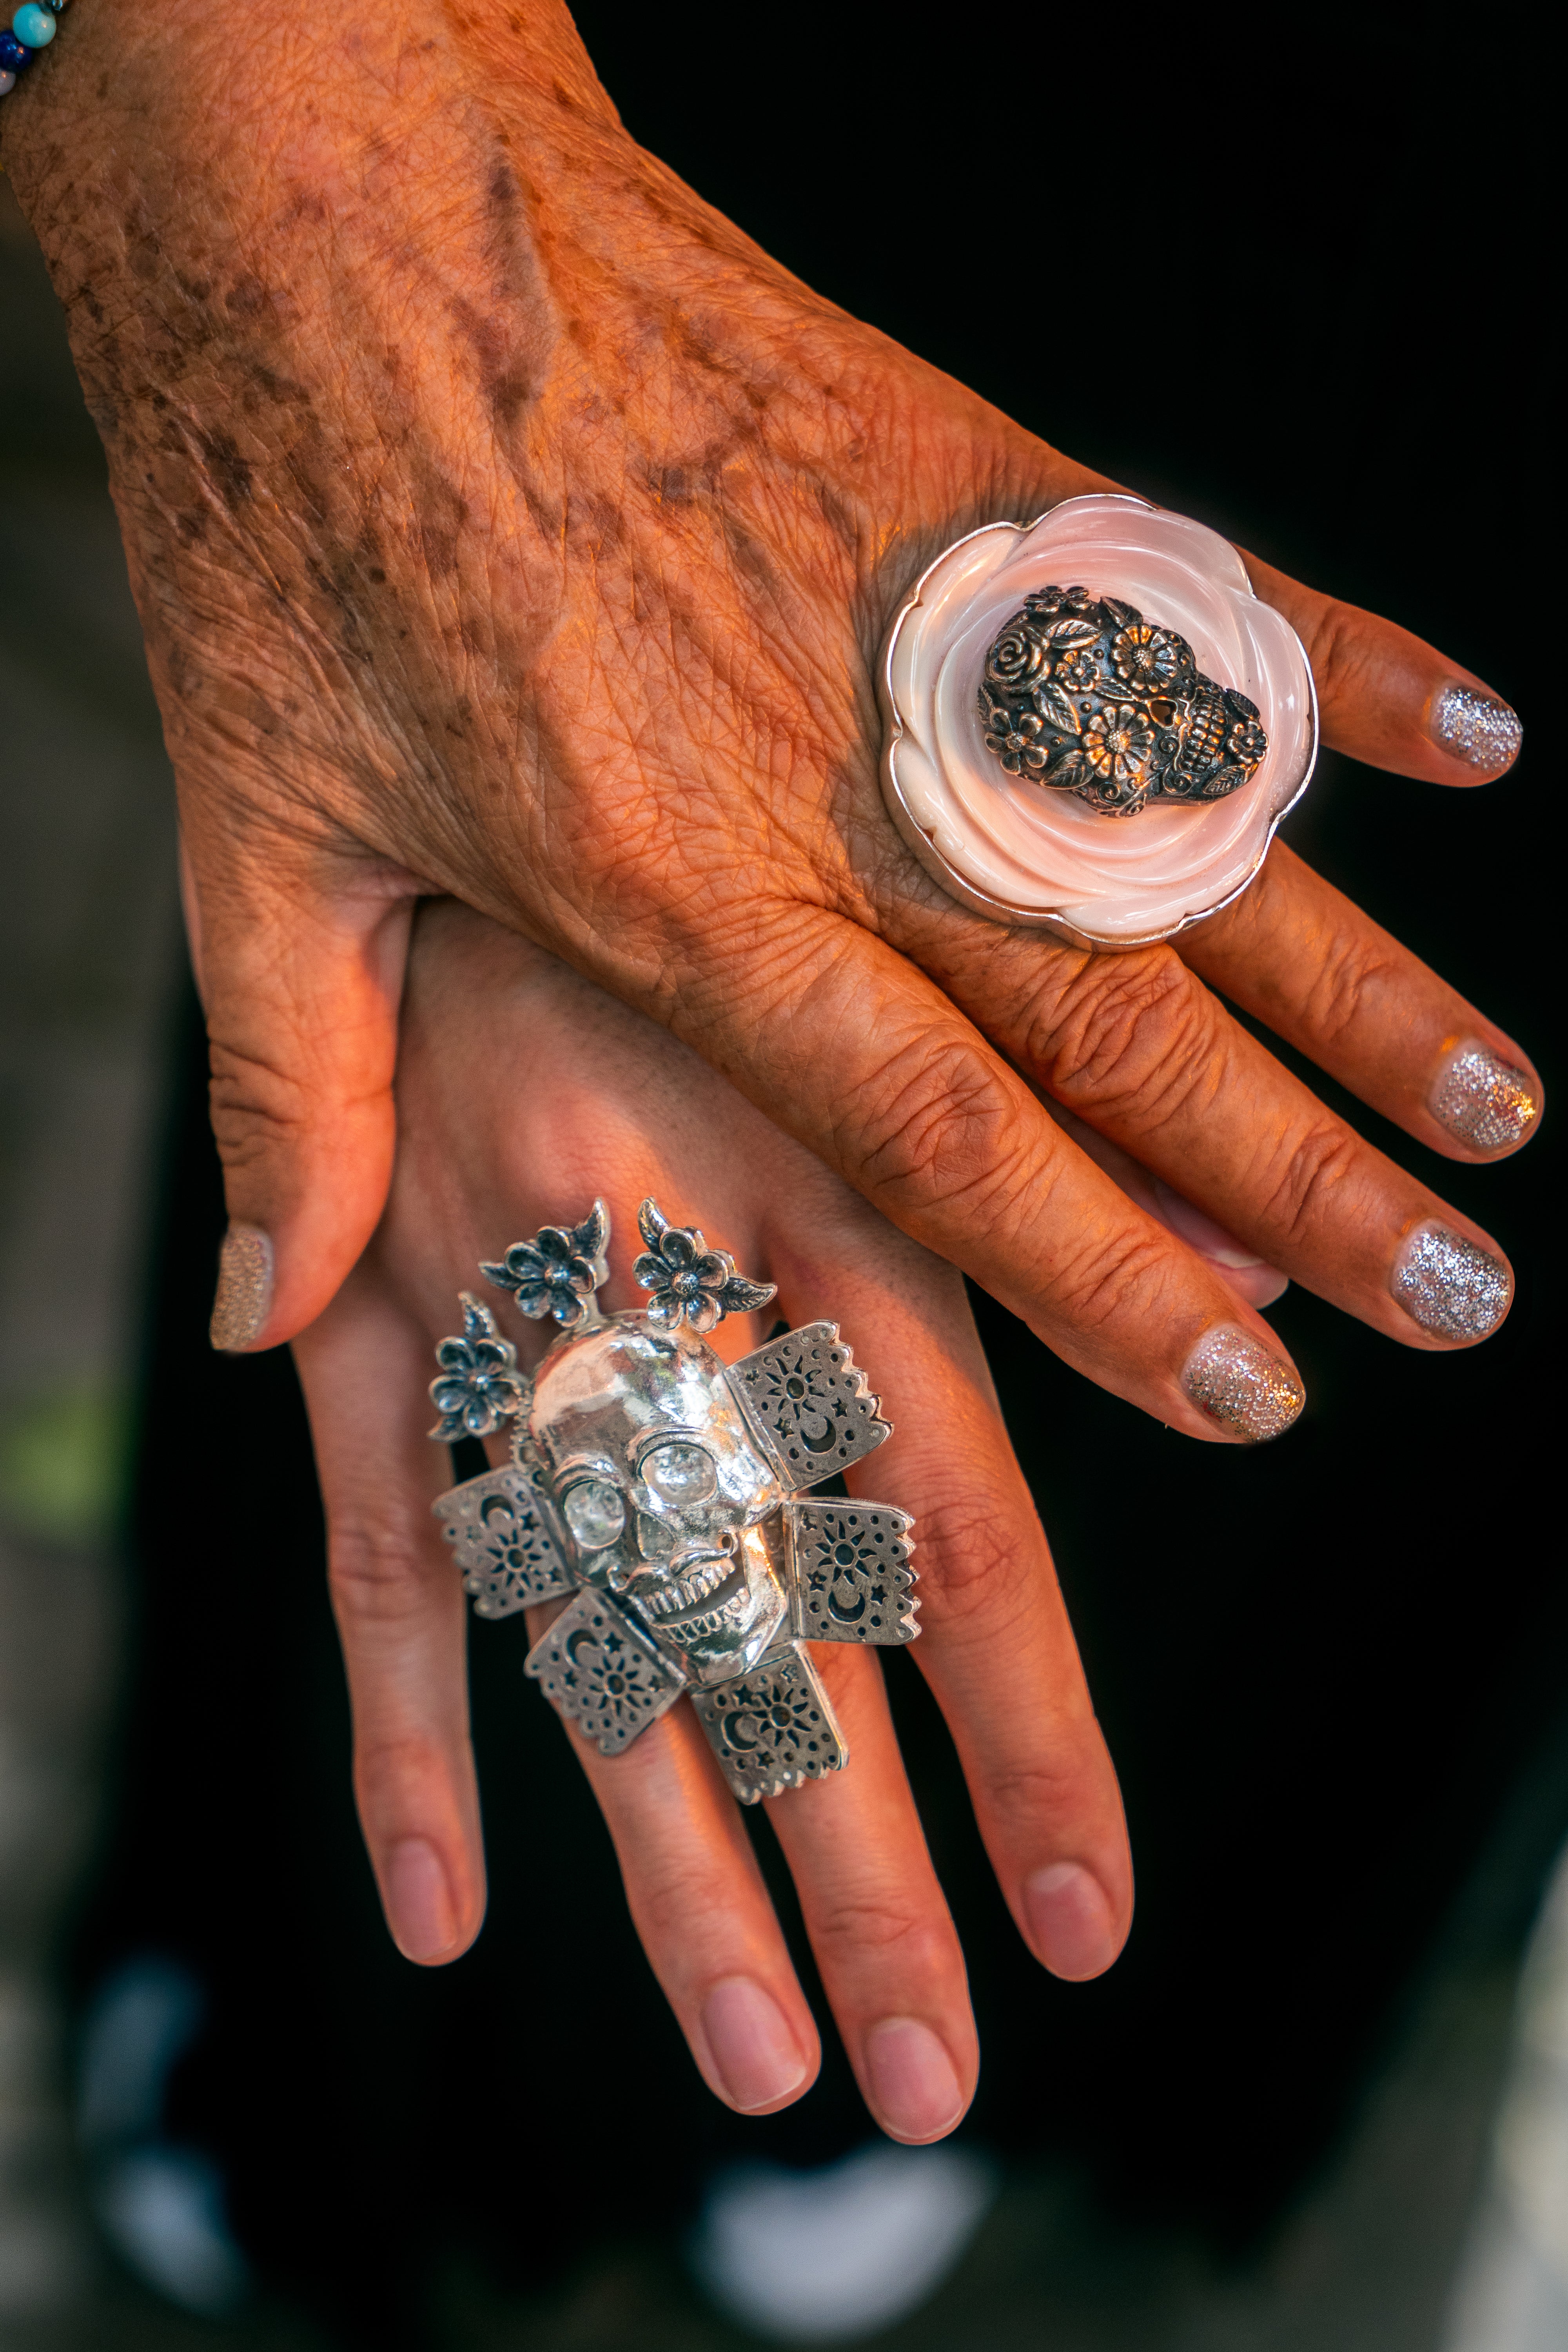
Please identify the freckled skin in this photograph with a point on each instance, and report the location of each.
(505, 524)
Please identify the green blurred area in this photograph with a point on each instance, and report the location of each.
(64, 1463)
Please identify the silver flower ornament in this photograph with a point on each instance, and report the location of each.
(480, 1385)
(557, 1271)
(689, 1283)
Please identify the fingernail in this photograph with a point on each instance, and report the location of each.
(914, 2093)
(1477, 728)
(419, 1905)
(1070, 1922)
(1452, 1287)
(243, 1288)
(757, 2059)
(1485, 1101)
(1241, 1384)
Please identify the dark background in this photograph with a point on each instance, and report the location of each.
(1323, 1668)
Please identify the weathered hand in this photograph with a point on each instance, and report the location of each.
(524, 1090)
(504, 523)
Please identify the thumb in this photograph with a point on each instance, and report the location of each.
(300, 985)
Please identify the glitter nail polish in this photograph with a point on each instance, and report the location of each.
(1452, 1287)
(1485, 1101)
(1241, 1384)
(243, 1288)
(1476, 727)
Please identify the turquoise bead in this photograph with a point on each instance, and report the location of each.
(34, 25)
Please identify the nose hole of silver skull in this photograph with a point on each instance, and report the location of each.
(656, 1539)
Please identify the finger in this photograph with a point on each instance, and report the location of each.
(1297, 953)
(996, 1643)
(1386, 697)
(880, 1927)
(834, 1033)
(301, 984)
(399, 1611)
(1246, 1273)
(1135, 1044)
(703, 1912)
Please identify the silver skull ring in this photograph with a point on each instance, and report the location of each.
(657, 1489)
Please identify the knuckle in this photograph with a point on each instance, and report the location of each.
(258, 1105)
(1345, 976)
(975, 1558)
(937, 1127)
(1339, 652)
(377, 1570)
(1132, 1037)
(1110, 1275)
(879, 1920)
(1302, 1192)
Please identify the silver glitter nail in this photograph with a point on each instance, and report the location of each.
(243, 1288)
(1238, 1381)
(1485, 1101)
(1452, 1287)
(1476, 727)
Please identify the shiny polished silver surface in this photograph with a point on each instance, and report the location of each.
(657, 1486)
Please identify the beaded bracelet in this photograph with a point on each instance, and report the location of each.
(32, 29)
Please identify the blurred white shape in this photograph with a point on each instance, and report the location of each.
(141, 2022)
(162, 2210)
(1512, 2290)
(825, 2256)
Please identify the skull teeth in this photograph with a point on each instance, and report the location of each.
(686, 1591)
(675, 1605)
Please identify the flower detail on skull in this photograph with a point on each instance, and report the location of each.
(1117, 744)
(480, 1385)
(1018, 658)
(557, 1271)
(1014, 738)
(689, 1283)
(1150, 658)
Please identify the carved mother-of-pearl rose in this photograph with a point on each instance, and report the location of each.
(996, 840)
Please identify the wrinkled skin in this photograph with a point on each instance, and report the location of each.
(504, 523)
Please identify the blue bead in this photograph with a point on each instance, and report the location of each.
(15, 54)
(33, 25)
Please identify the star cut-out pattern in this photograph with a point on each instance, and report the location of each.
(774, 1728)
(501, 1539)
(851, 1572)
(809, 1401)
(600, 1673)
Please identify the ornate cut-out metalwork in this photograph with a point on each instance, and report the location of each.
(1083, 695)
(774, 1728)
(852, 1578)
(653, 1482)
(603, 1673)
(810, 1404)
(502, 1541)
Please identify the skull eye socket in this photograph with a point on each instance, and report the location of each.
(679, 1474)
(594, 1512)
